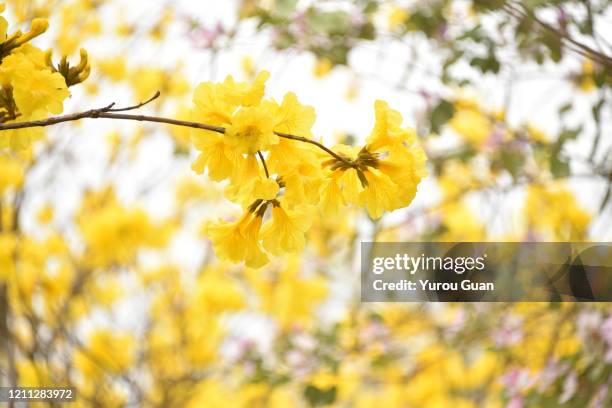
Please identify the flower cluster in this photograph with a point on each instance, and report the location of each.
(553, 213)
(298, 175)
(114, 233)
(31, 88)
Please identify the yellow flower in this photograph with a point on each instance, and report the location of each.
(180, 134)
(251, 130)
(215, 155)
(124, 29)
(21, 139)
(381, 176)
(293, 117)
(352, 91)
(249, 183)
(587, 83)
(288, 295)
(33, 374)
(45, 214)
(213, 393)
(11, 173)
(331, 197)
(324, 380)
(244, 94)
(146, 81)
(213, 105)
(34, 89)
(30, 89)
(322, 67)
(106, 352)
(397, 17)
(461, 224)
(554, 212)
(113, 68)
(3, 23)
(204, 335)
(285, 233)
(106, 292)
(248, 66)
(238, 241)
(190, 189)
(537, 135)
(215, 292)
(257, 188)
(115, 234)
(456, 178)
(248, 124)
(387, 132)
(37, 27)
(302, 181)
(8, 246)
(300, 174)
(472, 375)
(380, 195)
(470, 122)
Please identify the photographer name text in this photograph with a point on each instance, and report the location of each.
(413, 264)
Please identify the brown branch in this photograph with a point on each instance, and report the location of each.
(313, 142)
(140, 105)
(520, 11)
(108, 112)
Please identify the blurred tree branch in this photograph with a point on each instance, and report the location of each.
(520, 11)
(6, 336)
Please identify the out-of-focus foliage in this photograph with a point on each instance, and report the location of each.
(468, 40)
(92, 291)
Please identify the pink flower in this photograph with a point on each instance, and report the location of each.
(509, 333)
(599, 398)
(205, 37)
(606, 330)
(517, 380)
(569, 388)
(589, 324)
(550, 373)
(515, 402)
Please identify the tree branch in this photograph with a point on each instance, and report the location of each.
(519, 11)
(140, 105)
(7, 338)
(108, 112)
(314, 142)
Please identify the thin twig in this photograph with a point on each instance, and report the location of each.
(263, 163)
(140, 105)
(314, 142)
(520, 11)
(108, 112)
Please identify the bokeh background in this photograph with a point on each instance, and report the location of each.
(110, 285)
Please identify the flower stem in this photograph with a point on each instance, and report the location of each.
(263, 163)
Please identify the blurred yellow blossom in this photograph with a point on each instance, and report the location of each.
(322, 67)
(553, 211)
(471, 123)
(397, 16)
